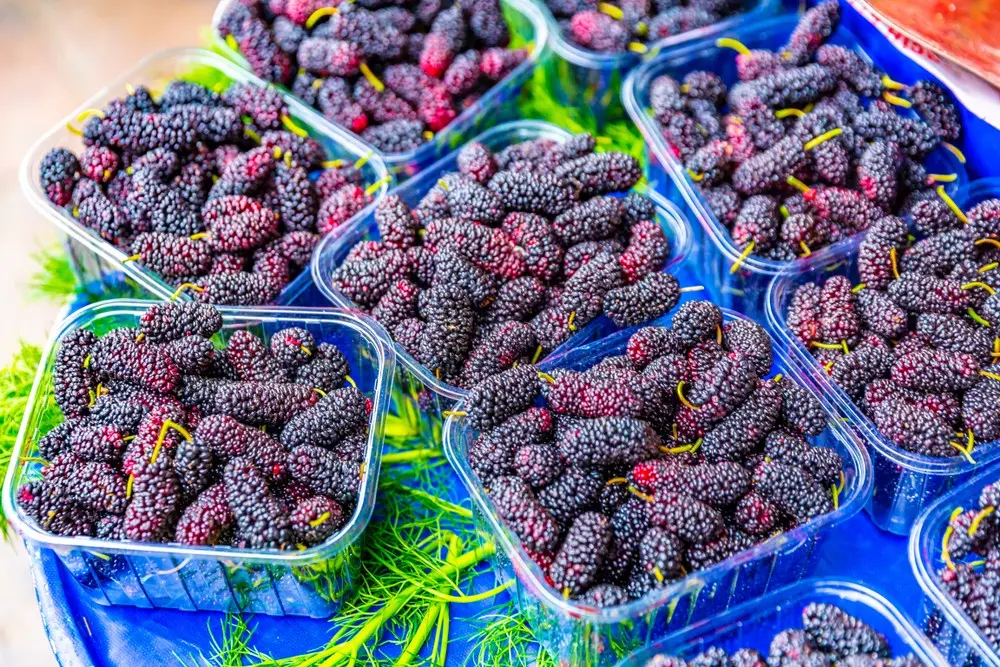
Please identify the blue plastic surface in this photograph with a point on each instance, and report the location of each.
(743, 289)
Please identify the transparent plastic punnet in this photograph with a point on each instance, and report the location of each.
(741, 289)
(577, 634)
(333, 249)
(98, 260)
(905, 482)
(582, 78)
(951, 629)
(528, 29)
(754, 624)
(311, 582)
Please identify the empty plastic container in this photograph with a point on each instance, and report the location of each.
(418, 381)
(311, 582)
(579, 635)
(905, 482)
(578, 78)
(743, 288)
(528, 28)
(951, 629)
(754, 624)
(97, 260)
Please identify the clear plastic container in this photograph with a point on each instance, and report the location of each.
(581, 78)
(417, 380)
(580, 635)
(905, 483)
(744, 289)
(528, 27)
(947, 624)
(312, 582)
(95, 259)
(754, 624)
(977, 191)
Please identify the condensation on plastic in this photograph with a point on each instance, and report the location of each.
(905, 482)
(496, 105)
(576, 634)
(95, 259)
(744, 289)
(754, 624)
(312, 582)
(581, 78)
(947, 624)
(418, 380)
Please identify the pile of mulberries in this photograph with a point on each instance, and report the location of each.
(971, 553)
(621, 25)
(828, 636)
(805, 149)
(501, 261)
(654, 463)
(221, 191)
(394, 74)
(916, 341)
(167, 438)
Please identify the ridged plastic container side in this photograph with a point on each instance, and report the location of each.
(947, 624)
(754, 624)
(905, 483)
(95, 259)
(581, 78)
(313, 582)
(528, 28)
(744, 288)
(417, 380)
(579, 635)
(977, 191)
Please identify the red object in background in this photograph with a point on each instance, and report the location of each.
(963, 32)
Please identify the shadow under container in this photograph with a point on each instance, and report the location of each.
(754, 624)
(96, 260)
(312, 582)
(742, 288)
(581, 78)
(947, 624)
(528, 29)
(416, 384)
(576, 634)
(905, 482)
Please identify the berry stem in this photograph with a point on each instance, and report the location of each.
(798, 185)
(548, 378)
(453, 413)
(232, 43)
(826, 136)
(252, 135)
(349, 380)
(981, 285)
(978, 519)
(319, 14)
(734, 44)
(374, 187)
(942, 178)
(951, 204)
(569, 322)
(805, 249)
(131, 258)
(791, 111)
(695, 176)
(184, 286)
(370, 77)
(637, 47)
(332, 164)
(742, 258)
(537, 355)
(896, 100)
(954, 150)
(977, 318)
(292, 126)
(614, 12)
(684, 401)
(894, 262)
(890, 84)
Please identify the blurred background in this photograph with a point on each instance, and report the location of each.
(56, 53)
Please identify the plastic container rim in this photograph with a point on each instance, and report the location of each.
(675, 170)
(664, 208)
(952, 465)
(794, 594)
(525, 7)
(110, 253)
(853, 498)
(373, 334)
(928, 579)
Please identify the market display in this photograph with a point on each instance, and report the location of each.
(653, 464)
(394, 74)
(258, 445)
(222, 193)
(810, 146)
(503, 260)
